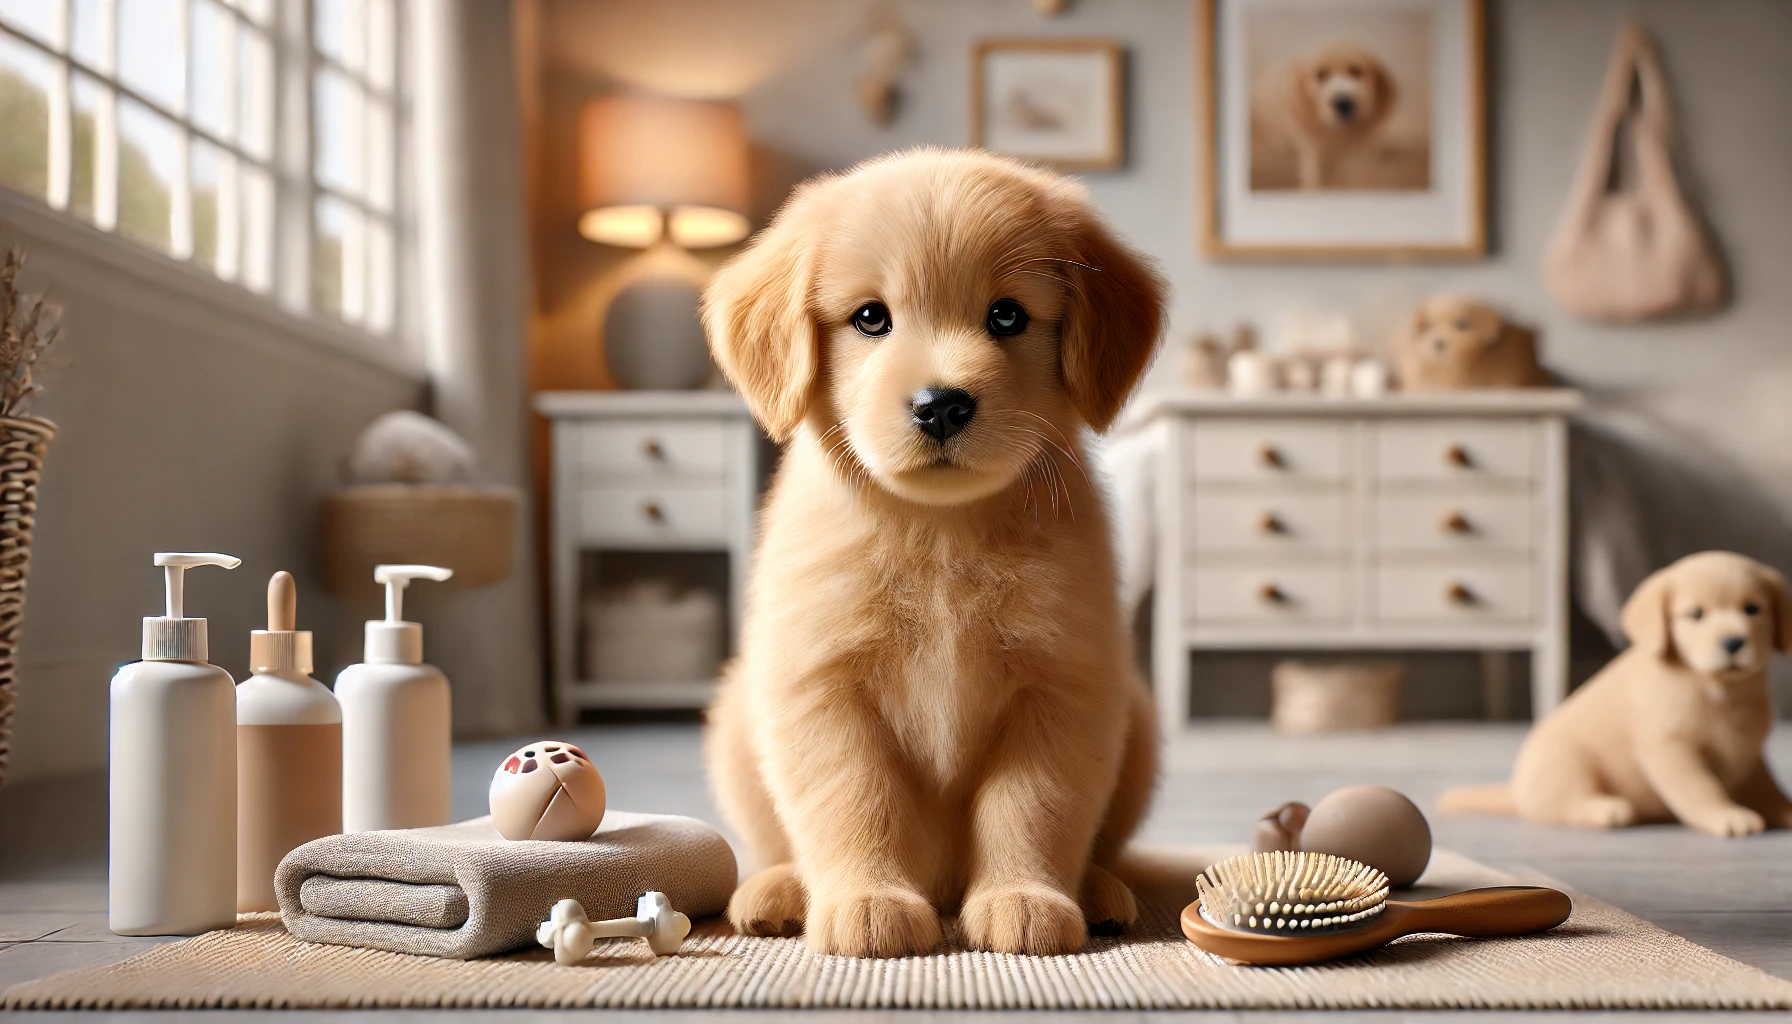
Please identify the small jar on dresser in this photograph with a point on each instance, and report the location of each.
(644, 471)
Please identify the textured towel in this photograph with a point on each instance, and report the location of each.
(464, 891)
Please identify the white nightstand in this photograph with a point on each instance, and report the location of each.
(1300, 522)
(645, 471)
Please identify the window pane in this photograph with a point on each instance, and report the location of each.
(212, 54)
(381, 289)
(148, 158)
(150, 50)
(337, 127)
(90, 40)
(87, 93)
(257, 10)
(382, 43)
(256, 195)
(255, 93)
(328, 251)
(24, 117)
(339, 31)
(32, 17)
(208, 173)
(379, 154)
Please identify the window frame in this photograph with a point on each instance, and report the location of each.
(288, 165)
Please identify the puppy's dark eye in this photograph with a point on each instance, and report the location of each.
(1006, 318)
(1462, 325)
(872, 320)
(1751, 608)
(1695, 614)
(1354, 71)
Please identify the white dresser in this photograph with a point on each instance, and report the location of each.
(644, 471)
(1404, 522)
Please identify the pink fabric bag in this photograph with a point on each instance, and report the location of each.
(1635, 252)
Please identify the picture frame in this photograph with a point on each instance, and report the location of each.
(1056, 102)
(1342, 130)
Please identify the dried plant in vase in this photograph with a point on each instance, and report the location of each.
(28, 327)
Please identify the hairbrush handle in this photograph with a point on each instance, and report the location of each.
(1486, 913)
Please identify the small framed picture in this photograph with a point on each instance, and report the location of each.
(1343, 129)
(1057, 101)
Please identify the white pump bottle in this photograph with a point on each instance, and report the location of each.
(396, 720)
(172, 865)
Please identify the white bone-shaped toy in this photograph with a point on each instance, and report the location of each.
(572, 935)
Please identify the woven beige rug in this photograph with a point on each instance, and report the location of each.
(1602, 957)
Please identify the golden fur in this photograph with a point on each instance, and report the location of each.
(1326, 107)
(1674, 726)
(1454, 342)
(934, 707)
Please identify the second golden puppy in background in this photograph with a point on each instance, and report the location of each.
(935, 707)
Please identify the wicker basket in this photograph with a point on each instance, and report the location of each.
(22, 443)
(1311, 698)
(467, 528)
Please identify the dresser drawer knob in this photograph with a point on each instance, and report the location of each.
(1271, 457)
(1458, 593)
(653, 450)
(1269, 522)
(653, 511)
(1269, 593)
(1458, 456)
(1457, 523)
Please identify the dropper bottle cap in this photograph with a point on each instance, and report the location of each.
(281, 647)
(393, 641)
(174, 637)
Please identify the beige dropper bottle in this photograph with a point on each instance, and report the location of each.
(289, 751)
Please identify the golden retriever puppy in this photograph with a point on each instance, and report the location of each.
(1674, 726)
(1326, 107)
(1455, 342)
(934, 707)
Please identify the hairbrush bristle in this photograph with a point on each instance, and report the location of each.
(1288, 891)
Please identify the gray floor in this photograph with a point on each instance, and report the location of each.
(1734, 896)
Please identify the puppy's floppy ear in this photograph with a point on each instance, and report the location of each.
(1779, 605)
(1112, 323)
(761, 327)
(1645, 615)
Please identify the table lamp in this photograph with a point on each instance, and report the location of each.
(655, 170)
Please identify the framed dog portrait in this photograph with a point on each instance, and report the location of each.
(1343, 129)
(1060, 102)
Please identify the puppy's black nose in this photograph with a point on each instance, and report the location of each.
(942, 412)
(1345, 106)
(1732, 644)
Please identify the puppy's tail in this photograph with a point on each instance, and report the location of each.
(1479, 800)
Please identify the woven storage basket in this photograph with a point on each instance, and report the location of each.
(22, 443)
(470, 529)
(1312, 697)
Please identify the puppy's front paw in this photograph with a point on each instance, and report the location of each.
(1023, 919)
(772, 902)
(1602, 812)
(880, 922)
(1726, 822)
(1108, 905)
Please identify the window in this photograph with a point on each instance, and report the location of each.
(162, 121)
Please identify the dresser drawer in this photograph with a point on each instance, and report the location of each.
(645, 515)
(1453, 592)
(1268, 520)
(1453, 522)
(1267, 593)
(654, 448)
(1453, 449)
(1268, 450)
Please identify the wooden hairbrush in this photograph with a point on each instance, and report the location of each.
(1285, 908)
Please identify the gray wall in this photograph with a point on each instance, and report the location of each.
(191, 417)
(1699, 409)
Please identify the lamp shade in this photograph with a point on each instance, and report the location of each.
(653, 165)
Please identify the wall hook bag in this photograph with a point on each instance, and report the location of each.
(1632, 252)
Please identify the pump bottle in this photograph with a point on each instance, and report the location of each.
(172, 862)
(288, 751)
(395, 720)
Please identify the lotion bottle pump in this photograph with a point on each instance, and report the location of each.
(288, 751)
(171, 869)
(396, 720)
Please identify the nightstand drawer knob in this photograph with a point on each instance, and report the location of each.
(1458, 593)
(1271, 523)
(654, 451)
(1269, 593)
(1457, 523)
(653, 511)
(1271, 457)
(1458, 456)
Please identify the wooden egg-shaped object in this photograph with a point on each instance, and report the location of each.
(547, 790)
(1373, 825)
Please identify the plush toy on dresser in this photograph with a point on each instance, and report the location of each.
(1454, 342)
(1674, 726)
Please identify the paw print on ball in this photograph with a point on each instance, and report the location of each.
(547, 790)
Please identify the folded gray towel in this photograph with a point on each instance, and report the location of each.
(463, 891)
